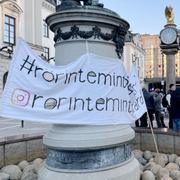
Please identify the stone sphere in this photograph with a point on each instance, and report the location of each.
(149, 166)
(142, 161)
(172, 158)
(147, 175)
(23, 164)
(147, 155)
(161, 159)
(175, 175)
(163, 172)
(156, 168)
(177, 161)
(13, 170)
(137, 153)
(171, 167)
(29, 168)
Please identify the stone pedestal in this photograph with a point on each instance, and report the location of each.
(88, 152)
(170, 65)
(170, 69)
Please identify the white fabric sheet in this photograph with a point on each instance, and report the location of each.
(90, 90)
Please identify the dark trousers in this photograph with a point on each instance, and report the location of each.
(151, 117)
(143, 120)
(170, 118)
(158, 119)
(162, 121)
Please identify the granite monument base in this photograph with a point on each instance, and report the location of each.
(129, 171)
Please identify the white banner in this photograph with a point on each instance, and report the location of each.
(91, 90)
(137, 98)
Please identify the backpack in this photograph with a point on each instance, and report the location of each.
(164, 101)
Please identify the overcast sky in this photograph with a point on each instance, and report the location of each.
(144, 16)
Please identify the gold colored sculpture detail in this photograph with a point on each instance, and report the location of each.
(169, 15)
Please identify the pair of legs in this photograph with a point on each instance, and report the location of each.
(176, 124)
(151, 116)
(170, 118)
(143, 120)
(158, 119)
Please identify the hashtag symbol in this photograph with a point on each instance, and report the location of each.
(27, 64)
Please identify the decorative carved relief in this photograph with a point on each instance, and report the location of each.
(117, 36)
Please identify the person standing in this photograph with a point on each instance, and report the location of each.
(157, 106)
(175, 109)
(168, 98)
(148, 97)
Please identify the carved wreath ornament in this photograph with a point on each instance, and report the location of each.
(117, 36)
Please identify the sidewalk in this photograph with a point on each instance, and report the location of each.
(12, 127)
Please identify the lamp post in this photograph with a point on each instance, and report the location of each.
(162, 81)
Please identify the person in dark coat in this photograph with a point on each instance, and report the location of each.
(158, 106)
(148, 97)
(175, 109)
(168, 98)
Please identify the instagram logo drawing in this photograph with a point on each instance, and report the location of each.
(20, 97)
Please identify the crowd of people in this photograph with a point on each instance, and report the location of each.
(158, 104)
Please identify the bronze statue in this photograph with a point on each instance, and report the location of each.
(68, 4)
(169, 15)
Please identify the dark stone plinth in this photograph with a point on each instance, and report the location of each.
(88, 159)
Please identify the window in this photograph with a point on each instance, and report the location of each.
(46, 52)
(9, 30)
(45, 29)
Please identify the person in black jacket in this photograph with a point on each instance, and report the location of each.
(175, 109)
(148, 97)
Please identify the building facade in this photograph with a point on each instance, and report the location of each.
(134, 53)
(24, 19)
(155, 61)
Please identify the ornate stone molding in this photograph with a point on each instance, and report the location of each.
(48, 6)
(88, 159)
(117, 36)
(12, 6)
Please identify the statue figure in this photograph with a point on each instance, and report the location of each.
(68, 4)
(169, 15)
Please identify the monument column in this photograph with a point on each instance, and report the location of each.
(170, 67)
(169, 46)
(88, 152)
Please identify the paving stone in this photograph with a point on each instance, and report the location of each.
(15, 152)
(177, 145)
(166, 143)
(147, 142)
(1, 156)
(136, 141)
(35, 149)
